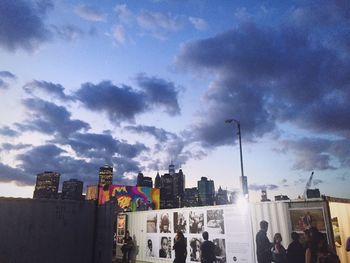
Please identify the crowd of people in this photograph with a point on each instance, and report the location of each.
(315, 249)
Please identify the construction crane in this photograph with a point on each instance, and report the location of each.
(308, 185)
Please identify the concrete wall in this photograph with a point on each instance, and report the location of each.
(51, 231)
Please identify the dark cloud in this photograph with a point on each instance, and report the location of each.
(160, 92)
(48, 87)
(51, 158)
(7, 131)
(101, 146)
(319, 154)
(16, 147)
(125, 165)
(124, 103)
(265, 75)
(259, 187)
(22, 25)
(48, 118)
(5, 75)
(9, 174)
(159, 134)
(120, 103)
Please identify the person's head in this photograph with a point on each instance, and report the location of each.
(149, 244)
(294, 236)
(195, 245)
(205, 235)
(264, 225)
(164, 243)
(179, 235)
(277, 239)
(165, 223)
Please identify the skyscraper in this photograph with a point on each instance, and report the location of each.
(47, 185)
(72, 189)
(157, 181)
(221, 197)
(206, 191)
(105, 175)
(144, 180)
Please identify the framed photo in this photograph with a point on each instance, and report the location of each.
(304, 218)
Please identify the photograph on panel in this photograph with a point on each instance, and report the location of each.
(164, 223)
(195, 249)
(220, 250)
(152, 223)
(215, 221)
(165, 247)
(151, 246)
(196, 222)
(180, 222)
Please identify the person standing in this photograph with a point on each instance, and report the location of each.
(295, 251)
(207, 249)
(263, 245)
(279, 254)
(180, 248)
(127, 247)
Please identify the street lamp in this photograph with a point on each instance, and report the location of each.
(244, 181)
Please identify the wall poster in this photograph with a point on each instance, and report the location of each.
(121, 228)
(304, 218)
(228, 227)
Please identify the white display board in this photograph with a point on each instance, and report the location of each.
(229, 227)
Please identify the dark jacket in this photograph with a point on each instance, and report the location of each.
(263, 247)
(180, 251)
(207, 252)
(296, 252)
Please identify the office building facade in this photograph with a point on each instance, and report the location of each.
(47, 184)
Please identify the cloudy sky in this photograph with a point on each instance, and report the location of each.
(141, 84)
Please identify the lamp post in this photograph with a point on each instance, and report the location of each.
(244, 181)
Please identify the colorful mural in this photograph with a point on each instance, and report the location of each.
(131, 198)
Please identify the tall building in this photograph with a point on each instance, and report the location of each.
(221, 197)
(91, 192)
(179, 187)
(105, 175)
(47, 185)
(72, 189)
(190, 197)
(167, 191)
(157, 181)
(144, 180)
(206, 191)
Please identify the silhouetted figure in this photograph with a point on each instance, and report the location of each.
(263, 245)
(279, 253)
(207, 249)
(313, 239)
(127, 247)
(295, 251)
(180, 248)
(347, 247)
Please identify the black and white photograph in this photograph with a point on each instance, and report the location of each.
(165, 247)
(151, 246)
(196, 222)
(164, 223)
(152, 223)
(220, 250)
(195, 249)
(215, 221)
(180, 222)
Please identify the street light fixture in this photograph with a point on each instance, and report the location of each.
(244, 181)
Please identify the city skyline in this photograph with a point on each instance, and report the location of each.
(140, 85)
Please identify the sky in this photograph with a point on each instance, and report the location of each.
(143, 84)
